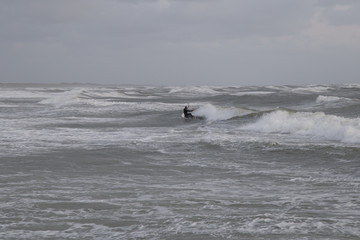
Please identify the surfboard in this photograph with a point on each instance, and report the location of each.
(194, 117)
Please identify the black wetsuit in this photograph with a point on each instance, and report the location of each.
(187, 113)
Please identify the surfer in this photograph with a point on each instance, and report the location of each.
(187, 112)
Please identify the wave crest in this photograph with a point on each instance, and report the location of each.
(316, 124)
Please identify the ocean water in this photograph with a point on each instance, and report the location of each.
(119, 162)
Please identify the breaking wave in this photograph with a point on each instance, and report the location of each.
(214, 113)
(316, 124)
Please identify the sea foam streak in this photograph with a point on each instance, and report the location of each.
(316, 124)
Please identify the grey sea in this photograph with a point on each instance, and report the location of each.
(120, 162)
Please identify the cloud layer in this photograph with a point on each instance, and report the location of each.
(180, 42)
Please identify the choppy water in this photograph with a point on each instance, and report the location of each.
(112, 162)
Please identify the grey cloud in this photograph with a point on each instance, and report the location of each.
(180, 21)
(343, 18)
(331, 3)
(167, 42)
(347, 16)
(198, 20)
(37, 20)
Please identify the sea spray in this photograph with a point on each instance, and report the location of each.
(215, 113)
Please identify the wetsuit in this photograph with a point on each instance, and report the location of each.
(187, 113)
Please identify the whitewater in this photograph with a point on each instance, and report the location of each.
(85, 161)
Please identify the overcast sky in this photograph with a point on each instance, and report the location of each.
(180, 42)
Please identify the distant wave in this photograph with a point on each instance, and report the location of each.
(23, 94)
(252, 93)
(332, 99)
(75, 97)
(194, 90)
(316, 124)
(63, 98)
(302, 89)
(312, 89)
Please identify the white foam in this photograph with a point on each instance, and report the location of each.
(316, 124)
(213, 113)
